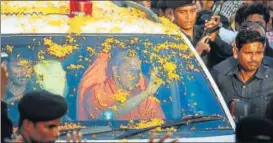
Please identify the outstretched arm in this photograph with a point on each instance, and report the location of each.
(135, 100)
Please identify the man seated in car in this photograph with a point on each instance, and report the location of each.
(114, 87)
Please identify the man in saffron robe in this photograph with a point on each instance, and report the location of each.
(118, 88)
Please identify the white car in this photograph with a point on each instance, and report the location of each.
(123, 71)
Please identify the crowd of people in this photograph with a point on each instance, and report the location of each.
(239, 57)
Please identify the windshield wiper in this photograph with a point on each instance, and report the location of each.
(89, 130)
(184, 121)
(93, 130)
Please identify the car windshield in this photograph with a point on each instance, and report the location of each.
(115, 83)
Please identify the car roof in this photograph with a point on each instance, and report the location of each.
(45, 17)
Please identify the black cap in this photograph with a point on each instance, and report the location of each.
(161, 4)
(254, 129)
(178, 3)
(42, 105)
(154, 3)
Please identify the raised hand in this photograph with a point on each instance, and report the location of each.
(215, 20)
(74, 137)
(202, 46)
(154, 82)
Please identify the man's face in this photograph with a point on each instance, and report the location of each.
(128, 73)
(185, 17)
(45, 131)
(257, 18)
(19, 72)
(250, 56)
(208, 4)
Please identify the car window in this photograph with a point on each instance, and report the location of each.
(123, 81)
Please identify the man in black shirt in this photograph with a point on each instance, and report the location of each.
(211, 48)
(246, 81)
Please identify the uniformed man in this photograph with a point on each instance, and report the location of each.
(40, 116)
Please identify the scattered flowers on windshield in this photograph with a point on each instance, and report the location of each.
(121, 96)
(9, 48)
(58, 50)
(143, 124)
(24, 63)
(91, 50)
(110, 42)
(70, 126)
(73, 66)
